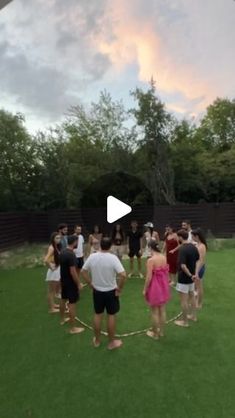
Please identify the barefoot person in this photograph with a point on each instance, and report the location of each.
(156, 289)
(63, 232)
(100, 272)
(149, 235)
(199, 238)
(118, 239)
(94, 239)
(70, 284)
(53, 273)
(187, 261)
(79, 250)
(171, 248)
(134, 245)
(186, 225)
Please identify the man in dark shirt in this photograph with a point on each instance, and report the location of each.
(134, 244)
(70, 284)
(187, 261)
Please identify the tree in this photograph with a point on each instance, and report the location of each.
(155, 127)
(217, 128)
(17, 165)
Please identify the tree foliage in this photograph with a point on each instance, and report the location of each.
(176, 160)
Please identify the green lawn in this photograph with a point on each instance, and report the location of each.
(46, 373)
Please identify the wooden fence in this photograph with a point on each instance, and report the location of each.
(17, 228)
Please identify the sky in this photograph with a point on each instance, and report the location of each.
(57, 53)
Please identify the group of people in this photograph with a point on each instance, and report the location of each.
(180, 263)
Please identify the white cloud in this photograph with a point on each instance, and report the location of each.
(55, 52)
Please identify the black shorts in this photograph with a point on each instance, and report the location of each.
(134, 252)
(80, 262)
(106, 300)
(70, 293)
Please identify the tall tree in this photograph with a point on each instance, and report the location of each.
(155, 127)
(17, 162)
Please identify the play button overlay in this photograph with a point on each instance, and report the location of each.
(116, 209)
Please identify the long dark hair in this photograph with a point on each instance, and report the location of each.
(56, 247)
(99, 230)
(114, 231)
(154, 246)
(200, 235)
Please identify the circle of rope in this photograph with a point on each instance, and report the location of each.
(128, 334)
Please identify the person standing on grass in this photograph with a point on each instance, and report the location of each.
(100, 271)
(186, 225)
(149, 235)
(70, 284)
(79, 250)
(200, 239)
(63, 232)
(52, 260)
(94, 239)
(118, 238)
(134, 245)
(187, 264)
(171, 248)
(156, 289)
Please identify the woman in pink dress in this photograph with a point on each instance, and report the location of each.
(156, 289)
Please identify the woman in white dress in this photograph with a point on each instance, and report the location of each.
(149, 235)
(53, 273)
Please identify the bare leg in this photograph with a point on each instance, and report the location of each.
(51, 296)
(185, 307)
(140, 266)
(97, 328)
(155, 324)
(192, 304)
(62, 312)
(173, 279)
(131, 266)
(162, 315)
(200, 293)
(111, 328)
(72, 319)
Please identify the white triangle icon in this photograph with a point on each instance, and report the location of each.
(116, 209)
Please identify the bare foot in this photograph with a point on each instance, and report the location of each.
(54, 310)
(115, 344)
(96, 343)
(76, 330)
(64, 321)
(192, 318)
(181, 324)
(152, 334)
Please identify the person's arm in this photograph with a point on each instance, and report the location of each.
(47, 259)
(121, 281)
(178, 246)
(85, 272)
(200, 262)
(185, 269)
(149, 269)
(74, 275)
(156, 235)
(164, 248)
(85, 275)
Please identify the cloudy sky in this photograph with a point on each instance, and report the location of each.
(56, 53)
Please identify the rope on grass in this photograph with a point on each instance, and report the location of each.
(129, 334)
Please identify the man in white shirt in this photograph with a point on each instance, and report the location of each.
(101, 271)
(79, 250)
(186, 225)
